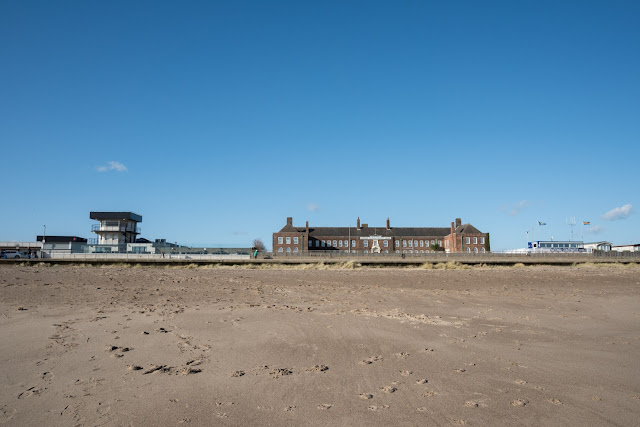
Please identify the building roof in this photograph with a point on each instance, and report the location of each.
(61, 239)
(125, 216)
(370, 231)
(467, 229)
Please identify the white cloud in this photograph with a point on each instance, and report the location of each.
(515, 208)
(618, 213)
(596, 229)
(312, 207)
(112, 166)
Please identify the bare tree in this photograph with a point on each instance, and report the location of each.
(259, 245)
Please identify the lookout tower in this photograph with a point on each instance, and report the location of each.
(116, 228)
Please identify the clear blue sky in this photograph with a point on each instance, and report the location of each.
(215, 120)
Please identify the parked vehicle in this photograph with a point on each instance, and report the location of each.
(11, 255)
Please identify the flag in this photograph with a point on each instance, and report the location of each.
(542, 223)
(586, 222)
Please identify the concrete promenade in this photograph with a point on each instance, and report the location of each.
(364, 260)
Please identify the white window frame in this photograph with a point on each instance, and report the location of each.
(288, 240)
(280, 240)
(335, 243)
(467, 240)
(346, 243)
(295, 249)
(339, 243)
(365, 243)
(482, 240)
(280, 250)
(295, 240)
(385, 243)
(288, 250)
(475, 240)
(353, 243)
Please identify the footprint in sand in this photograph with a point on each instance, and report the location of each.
(521, 382)
(188, 370)
(318, 368)
(422, 381)
(389, 389)
(405, 373)
(429, 393)
(325, 406)
(366, 396)
(402, 355)
(554, 401)
(375, 408)
(280, 372)
(470, 404)
(519, 402)
(30, 392)
(6, 414)
(290, 408)
(370, 360)
(237, 374)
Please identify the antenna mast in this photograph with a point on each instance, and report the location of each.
(571, 222)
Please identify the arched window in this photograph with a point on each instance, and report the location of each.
(280, 250)
(482, 250)
(295, 250)
(288, 250)
(475, 250)
(468, 250)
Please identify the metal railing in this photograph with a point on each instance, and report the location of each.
(117, 228)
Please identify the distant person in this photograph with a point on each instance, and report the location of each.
(255, 254)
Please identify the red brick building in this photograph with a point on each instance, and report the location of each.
(458, 238)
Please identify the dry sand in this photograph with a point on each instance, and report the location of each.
(167, 346)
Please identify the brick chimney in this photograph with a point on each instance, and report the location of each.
(458, 222)
(307, 226)
(358, 227)
(388, 224)
(454, 244)
(289, 220)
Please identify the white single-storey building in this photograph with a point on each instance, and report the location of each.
(598, 246)
(626, 248)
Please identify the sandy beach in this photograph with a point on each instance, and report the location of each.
(148, 346)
